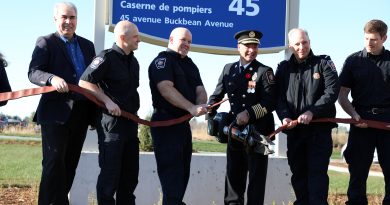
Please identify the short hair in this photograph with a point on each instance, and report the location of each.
(290, 33)
(376, 26)
(124, 27)
(68, 4)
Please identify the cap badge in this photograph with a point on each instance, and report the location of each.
(252, 34)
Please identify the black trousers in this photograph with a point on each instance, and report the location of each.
(308, 152)
(240, 161)
(173, 151)
(359, 155)
(118, 160)
(61, 148)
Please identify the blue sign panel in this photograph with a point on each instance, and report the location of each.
(213, 23)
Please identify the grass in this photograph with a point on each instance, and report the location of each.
(20, 163)
(208, 146)
(339, 183)
(20, 166)
(336, 154)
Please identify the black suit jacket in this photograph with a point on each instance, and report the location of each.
(4, 84)
(50, 57)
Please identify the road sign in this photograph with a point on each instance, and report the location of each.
(212, 23)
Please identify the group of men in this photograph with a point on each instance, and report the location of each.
(112, 76)
(305, 87)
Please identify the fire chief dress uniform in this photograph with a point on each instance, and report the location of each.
(251, 89)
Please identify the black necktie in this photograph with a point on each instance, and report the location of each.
(241, 69)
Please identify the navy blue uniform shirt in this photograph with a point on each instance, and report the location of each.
(184, 74)
(368, 77)
(117, 74)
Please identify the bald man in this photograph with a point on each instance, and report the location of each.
(113, 77)
(177, 90)
(308, 88)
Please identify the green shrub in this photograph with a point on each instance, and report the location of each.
(145, 138)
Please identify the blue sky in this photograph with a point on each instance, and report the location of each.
(335, 28)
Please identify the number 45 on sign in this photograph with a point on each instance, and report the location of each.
(236, 6)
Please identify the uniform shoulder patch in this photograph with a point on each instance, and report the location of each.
(96, 62)
(270, 77)
(160, 63)
(332, 66)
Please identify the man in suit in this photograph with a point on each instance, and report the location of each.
(58, 59)
(4, 84)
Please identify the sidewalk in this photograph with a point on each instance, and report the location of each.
(345, 169)
(20, 138)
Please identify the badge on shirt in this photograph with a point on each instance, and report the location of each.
(160, 63)
(252, 84)
(96, 62)
(316, 76)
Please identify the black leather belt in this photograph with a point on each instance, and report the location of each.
(377, 110)
(158, 110)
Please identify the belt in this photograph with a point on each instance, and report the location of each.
(159, 110)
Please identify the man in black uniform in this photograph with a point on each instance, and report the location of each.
(4, 84)
(307, 89)
(58, 59)
(250, 86)
(177, 90)
(366, 74)
(113, 77)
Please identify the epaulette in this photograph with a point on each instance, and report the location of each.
(326, 57)
(283, 63)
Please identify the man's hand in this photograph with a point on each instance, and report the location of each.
(305, 118)
(198, 110)
(242, 118)
(59, 84)
(289, 122)
(113, 108)
(357, 117)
